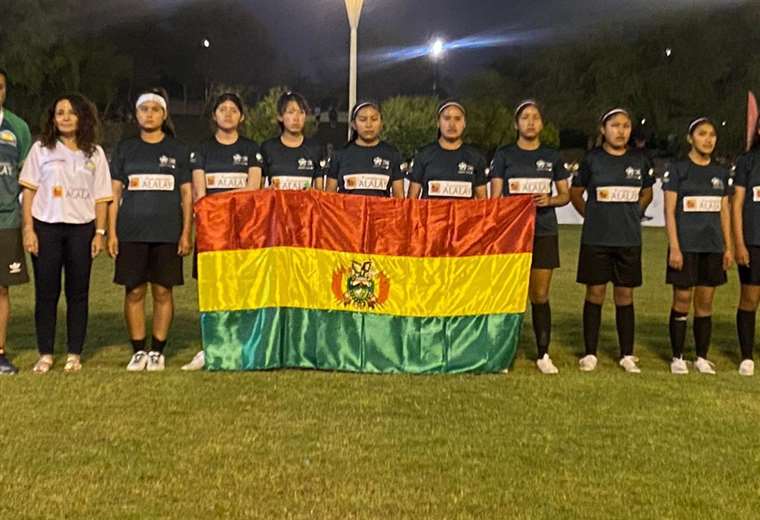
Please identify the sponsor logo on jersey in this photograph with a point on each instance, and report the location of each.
(8, 137)
(151, 182)
(305, 164)
(14, 268)
(755, 193)
(633, 173)
(617, 194)
(529, 185)
(89, 165)
(717, 183)
(77, 194)
(379, 162)
(259, 157)
(465, 169)
(701, 204)
(6, 169)
(361, 285)
(57, 192)
(666, 177)
(544, 166)
(456, 189)
(215, 181)
(193, 157)
(240, 160)
(284, 182)
(366, 181)
(167, 162)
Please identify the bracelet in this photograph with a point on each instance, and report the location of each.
(101, 232)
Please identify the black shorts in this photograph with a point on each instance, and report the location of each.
(12, 258)
(751, 275)
(195, 262)
(545, 252)
(699, 269)
(141, 262)
(599, 265)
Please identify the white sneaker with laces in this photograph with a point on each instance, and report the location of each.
(138, 362)
(198, 362)
(155, 362)
(546, 366)
(587, 363)
(704, 367)
(678, 366)
(747, 367)
(629, 364)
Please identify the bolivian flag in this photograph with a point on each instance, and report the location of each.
(304, 279)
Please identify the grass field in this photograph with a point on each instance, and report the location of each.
(295, 444)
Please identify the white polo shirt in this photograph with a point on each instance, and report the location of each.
(67, 182)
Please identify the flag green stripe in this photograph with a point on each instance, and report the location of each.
(274, 338)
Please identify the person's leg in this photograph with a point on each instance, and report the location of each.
(745, 319)
(77, 266)
(48, 264)
(134, 311)
(592, 317)
(163, 314)
(703, 300)
(625, 319)
(540, 281)
(679, 313)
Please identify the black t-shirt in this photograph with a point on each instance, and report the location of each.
(748, 177)
(613, 183)
(448, 173)
(292, 168)
(366, 170)
(700, 192)
(151, 208)
(527, 172)
(226, 166)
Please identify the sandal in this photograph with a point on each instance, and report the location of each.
(73, 364)
(43, 365)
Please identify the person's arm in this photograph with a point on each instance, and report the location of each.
(254, 178)
(497, 187)
(398, 189)
(737, 208)
(480, 192)
(113, 215)
(101, 215)
(576, 198)
(332, 185)
(725, 226)
(186, 195)
(675, 257)
(415, 188)
(31, 245)
(563, 194)
(579, 184)
(199, 185)
(318, 183)
(645, 198)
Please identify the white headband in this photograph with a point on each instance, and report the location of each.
(524, 104)
(451, 104)
(145, 98)
(614, 112)
(698, 121)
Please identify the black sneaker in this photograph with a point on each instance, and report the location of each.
(6, 367)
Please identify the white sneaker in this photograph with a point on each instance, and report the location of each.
(747, 367)
(629, 364)
(587, 363)
(546, 366)
(138, 362)
(704, 367)
(678, 366)
(155, 362)
(198, 362)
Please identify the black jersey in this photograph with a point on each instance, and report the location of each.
(225, 166)
(528, 172)
(448, 173)
(289, 168)
(748, 177)
(152, 173)
(366, 170)
(613, 184)
(700, 192)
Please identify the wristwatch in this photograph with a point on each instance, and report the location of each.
(101, 232)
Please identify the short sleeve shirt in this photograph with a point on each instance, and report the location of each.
(225, 166)
(366, 170)
(289, 168)
(748, 176)
(451, 174)
(152, 174)
(14, 147)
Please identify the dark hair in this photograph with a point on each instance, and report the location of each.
(755, 137)
(167, 126)
(228, 96)
(525, 103)
(88, 124)
(285, 99)
(609, 114)
(355, 112)
(699, 122)
(4, 73)
(443, 105)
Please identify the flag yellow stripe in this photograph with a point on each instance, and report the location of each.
(405, 286)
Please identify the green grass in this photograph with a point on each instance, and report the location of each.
(297, 444)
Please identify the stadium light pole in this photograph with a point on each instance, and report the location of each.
(354, 12)
(436, 51)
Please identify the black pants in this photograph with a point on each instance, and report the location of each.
(67, 247)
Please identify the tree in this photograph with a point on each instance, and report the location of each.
(409, 122)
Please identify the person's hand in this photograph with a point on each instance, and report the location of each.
(31, 245)
(675, 259)
(742, 255)
(96, 246)
(541, 200)
(184, 247)
(728, 260)
(113, 245)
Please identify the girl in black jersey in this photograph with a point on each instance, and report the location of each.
(745, 208)
(150, 224)
(698, 223)
(226, 162)
(293, 161)
(618, 184)
(366, 165)
(529, 168)
(449, 168)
